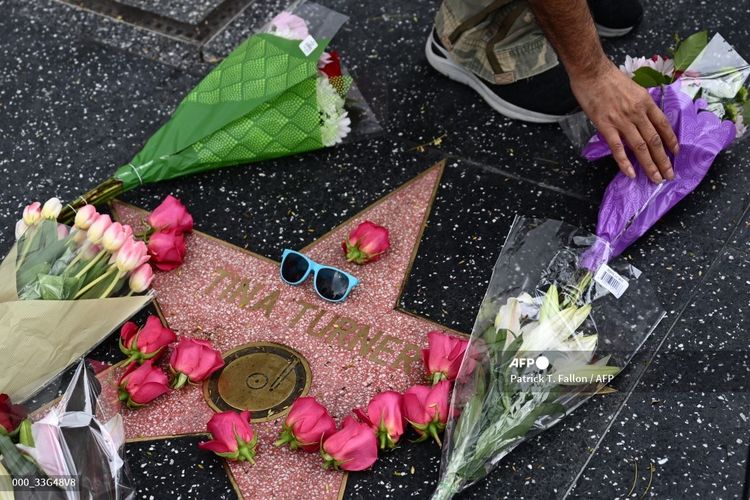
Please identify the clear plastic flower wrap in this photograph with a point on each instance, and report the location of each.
(74, 451)
(550, 333)
(60, 296)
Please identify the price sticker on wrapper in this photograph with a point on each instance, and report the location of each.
(611, 280)
(308, 45)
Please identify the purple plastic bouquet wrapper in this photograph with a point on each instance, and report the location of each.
(631, 206)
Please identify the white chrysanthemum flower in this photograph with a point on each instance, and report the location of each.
(739, 124)
(335, 129)
(632, 64)
(335, 121)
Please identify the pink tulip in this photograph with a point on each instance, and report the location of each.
(426, 408)
(114, 237)
(194, 360)
(366, 243)
(146, 343)
(85, 216)
(443, 359)
(171, 215)
(141, 278)
(97, 228)
(167, 250)
(32, 213)
(141, 384)
(384, 417)
(307, 425)
(352, 448)
(233, 436)
(131, 255)
(62, 231)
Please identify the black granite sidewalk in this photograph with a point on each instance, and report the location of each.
(83, 83)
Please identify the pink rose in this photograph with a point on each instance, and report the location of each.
(141, 384)
(307, 425)
(443, 359)
(233, 436)
(352, 448)
(146, 343)
(194, 360)
(167, 250)
(366, 243)
(426, 408)
(384, 417)
(171, 215)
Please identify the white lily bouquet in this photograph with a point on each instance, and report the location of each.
(548, 336)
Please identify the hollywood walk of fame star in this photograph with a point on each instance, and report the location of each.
(354, 349)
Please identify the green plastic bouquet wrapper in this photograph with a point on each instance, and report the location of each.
(259, 103)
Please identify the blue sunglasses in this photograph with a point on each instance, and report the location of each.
(333, 285)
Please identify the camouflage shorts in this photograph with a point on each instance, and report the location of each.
(498, 40)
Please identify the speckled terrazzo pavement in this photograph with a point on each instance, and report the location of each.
(80, 93)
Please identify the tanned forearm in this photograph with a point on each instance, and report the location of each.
(571, 31)
(623, 112)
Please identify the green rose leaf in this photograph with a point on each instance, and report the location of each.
(689, 50)
(649, 77)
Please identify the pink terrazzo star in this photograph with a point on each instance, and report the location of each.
(355, 349)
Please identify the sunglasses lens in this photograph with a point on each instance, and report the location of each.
(331, 284)
(294, 267)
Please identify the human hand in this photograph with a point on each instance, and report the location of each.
(625, 114)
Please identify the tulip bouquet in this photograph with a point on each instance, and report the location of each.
(548, 336)
(66, 288)
(277, 94)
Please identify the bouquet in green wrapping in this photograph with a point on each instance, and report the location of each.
(277, 94)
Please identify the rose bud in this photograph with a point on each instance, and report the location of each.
(352, 448)
(233, 436)
(307, 425)
(11, 416)
(141, 278)
(85, 216)
(32, 213)
(141, 384)
(114, 237)
(384, 417)
(167, 250)
(194, 360)
(97, 228)
(443, 359)
(366, 243)
(171, 215)
(51, 209)
(426, 409)
(131, 255)
(146, 343)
